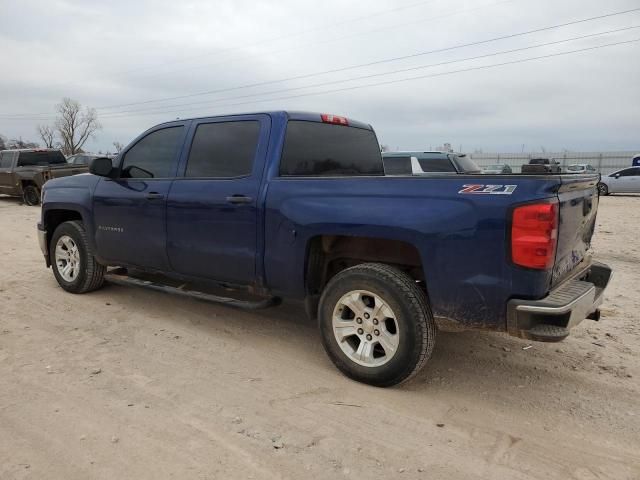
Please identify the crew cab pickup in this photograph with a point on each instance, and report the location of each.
(297, 206)
(541, 165)
(24, 171)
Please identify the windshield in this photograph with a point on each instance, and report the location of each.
(465, 164)
(322, 149)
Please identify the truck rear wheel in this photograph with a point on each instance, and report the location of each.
(376, 324)
(31, 195)
(72, 260)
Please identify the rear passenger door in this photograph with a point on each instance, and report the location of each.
(213, 206)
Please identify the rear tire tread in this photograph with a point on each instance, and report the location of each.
(417, 302)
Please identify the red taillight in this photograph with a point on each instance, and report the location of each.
(534, 235)
(335, 119)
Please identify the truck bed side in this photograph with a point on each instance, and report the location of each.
(461, 238)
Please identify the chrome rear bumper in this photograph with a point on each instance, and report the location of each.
(551, 318)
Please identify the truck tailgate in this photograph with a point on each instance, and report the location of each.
(578, 202)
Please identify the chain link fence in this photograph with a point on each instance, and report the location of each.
(603, 162)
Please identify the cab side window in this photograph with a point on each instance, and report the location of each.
(154, 155)
(223, 149)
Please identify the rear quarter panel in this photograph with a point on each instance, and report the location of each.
(461, 238)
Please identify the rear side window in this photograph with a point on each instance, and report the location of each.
(397, 165)
(436, 163)
(630, 172)
(225, 149)
(27, 159)
(154, 155)
(322, 149)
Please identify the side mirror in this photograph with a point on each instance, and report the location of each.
(617, 175)
(101, 166)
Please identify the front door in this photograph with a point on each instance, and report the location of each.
(629, 181)
(130, 210)
(212, 210)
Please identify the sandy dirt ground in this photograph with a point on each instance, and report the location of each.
(129, 384)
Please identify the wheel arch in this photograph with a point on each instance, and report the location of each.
(52, 218)
(327, 255)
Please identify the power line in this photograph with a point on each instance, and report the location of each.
(369, 64)
(434, 75)
(362, 77)
(293, 34)
(452, 72)
(334, 39)
(44, 116)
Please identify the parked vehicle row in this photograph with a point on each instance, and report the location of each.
(297, 205)
(24, 172)
(421, 163)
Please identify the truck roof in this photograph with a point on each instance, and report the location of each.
(288, 114)
(30, 150)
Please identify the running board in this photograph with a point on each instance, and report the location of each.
(207, 297)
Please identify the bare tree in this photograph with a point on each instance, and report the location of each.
(47, 134)
(3, 142)
(118, 146)
(75, 125)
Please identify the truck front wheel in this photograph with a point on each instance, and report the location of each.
(72, 260)
(31, 195)
(376, 324)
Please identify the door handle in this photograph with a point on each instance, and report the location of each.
(154, 196)
(239, 199)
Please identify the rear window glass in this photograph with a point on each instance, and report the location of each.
(436, 163)
(539, 161)
(466, 164)
(321, 149)
(397, 165)
(40, 158)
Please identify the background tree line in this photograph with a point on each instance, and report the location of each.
(73, 126)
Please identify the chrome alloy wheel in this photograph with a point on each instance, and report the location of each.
(67, 258)
(366, 328)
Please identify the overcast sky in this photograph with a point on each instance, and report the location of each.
(109, 53)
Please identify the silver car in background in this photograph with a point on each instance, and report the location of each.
(626, 180)
(580, 168)
(498, 169)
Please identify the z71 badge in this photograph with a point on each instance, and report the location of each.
(488, 189)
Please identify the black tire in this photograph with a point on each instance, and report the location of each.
(415, 324)
(31, 195)
(91, 274)
(603, 189)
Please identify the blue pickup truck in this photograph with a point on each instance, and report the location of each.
(290, 205)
